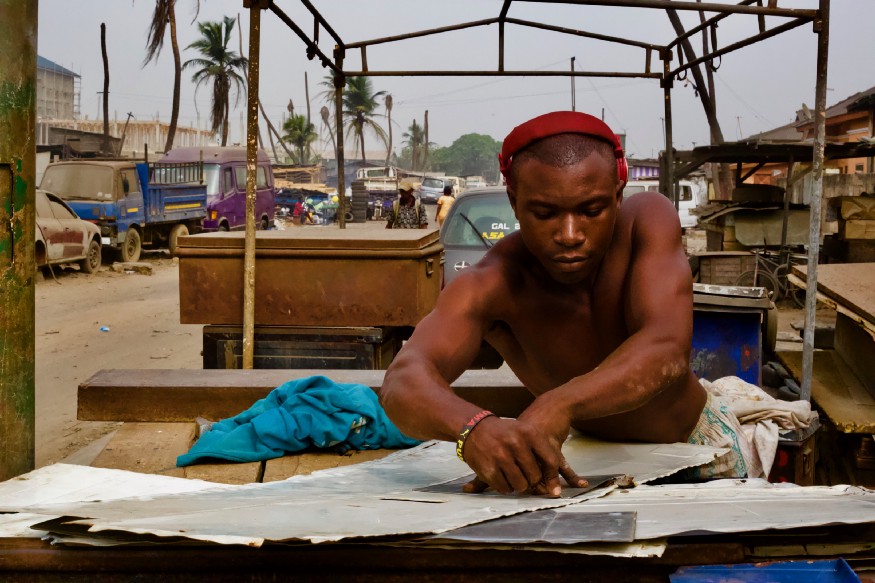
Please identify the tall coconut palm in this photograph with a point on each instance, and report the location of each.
(360, 103)
(165, 14)
(221, 67)
(326, 119)
(388, 102)
(300, 133)
(414, 138)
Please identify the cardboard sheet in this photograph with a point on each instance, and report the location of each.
(372, 499)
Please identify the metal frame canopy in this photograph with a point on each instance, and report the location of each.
(681, 46)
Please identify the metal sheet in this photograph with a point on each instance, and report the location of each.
(455, 487)
(370, 499)
(547, 526)
(726, 506)
(64, 483)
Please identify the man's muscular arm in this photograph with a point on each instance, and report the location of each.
(416, 394)
(658, 314)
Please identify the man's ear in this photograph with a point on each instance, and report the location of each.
(621, 184)
(511, 196)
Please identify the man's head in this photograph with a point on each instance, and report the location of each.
(448, 190)
(565, 174)
(526, 135)
(405, 188)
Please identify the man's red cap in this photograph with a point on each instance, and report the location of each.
(559, 122)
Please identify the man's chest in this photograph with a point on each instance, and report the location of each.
(549, 342)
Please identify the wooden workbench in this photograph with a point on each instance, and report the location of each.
(158, 408)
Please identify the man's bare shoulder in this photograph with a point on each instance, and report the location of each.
(649, 213)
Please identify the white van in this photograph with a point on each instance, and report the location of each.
(686, 203)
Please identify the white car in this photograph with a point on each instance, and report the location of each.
(62, 237)
(686, 203)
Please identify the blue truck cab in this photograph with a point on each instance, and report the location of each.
(135, 204)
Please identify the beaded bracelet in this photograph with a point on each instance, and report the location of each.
(466, 430)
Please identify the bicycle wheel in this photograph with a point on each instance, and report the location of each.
(790, 291)
(762, 279)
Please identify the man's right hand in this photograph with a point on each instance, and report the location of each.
(509, 455)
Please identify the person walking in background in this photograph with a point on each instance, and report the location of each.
(443, 204)
(407, 212)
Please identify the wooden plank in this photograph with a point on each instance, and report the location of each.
(175, 395)
(226, 473)
(148, 448)
(857, 348)
(857, 229)
(836, 390)
(306, 463)
(152, 448)
(848, 284)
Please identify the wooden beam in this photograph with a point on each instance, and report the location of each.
(176, 395)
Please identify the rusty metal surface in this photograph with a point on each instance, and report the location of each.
(251, 162)
(330, 238)
(330, 282)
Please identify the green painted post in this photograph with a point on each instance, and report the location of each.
(18, 27)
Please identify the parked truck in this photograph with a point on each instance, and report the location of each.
(135, 204)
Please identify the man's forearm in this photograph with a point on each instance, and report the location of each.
(422, 404)
(640, 368)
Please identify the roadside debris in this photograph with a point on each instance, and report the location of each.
(131, 267)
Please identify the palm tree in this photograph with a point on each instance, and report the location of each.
(414, 138)
(163, 15)
(360, 103)
(388, 102)
(300, 133)
(219, 65)
(326, 119)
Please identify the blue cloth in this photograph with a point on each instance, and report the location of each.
(309, 412)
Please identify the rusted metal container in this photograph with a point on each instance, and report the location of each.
(313, 277)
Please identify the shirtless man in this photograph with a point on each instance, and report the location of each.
(589, 303)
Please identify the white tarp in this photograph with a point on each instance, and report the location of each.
(375, 498)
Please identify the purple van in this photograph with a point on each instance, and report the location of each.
(225, 176)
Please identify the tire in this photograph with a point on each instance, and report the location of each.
(173, 240)
(796, 295)
(132, 246)
(223, 227)
(264, 226)
(91, 263)
(763, 279)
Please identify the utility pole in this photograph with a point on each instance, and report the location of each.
(573, 87)
(18, 34)
(124, 131)
(105, 146)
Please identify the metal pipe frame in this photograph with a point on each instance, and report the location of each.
(741, 8)
(741, 44)
(311, 46)
(700, 27)
(585, 34)
(484, 73)
(816, 203)
(321, 20)
(251, 163)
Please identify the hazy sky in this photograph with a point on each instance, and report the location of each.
(758, 88)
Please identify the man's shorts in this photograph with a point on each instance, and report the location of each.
(718, 427)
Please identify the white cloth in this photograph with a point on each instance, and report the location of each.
(762, 417)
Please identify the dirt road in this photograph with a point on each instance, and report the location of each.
(142, 315)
